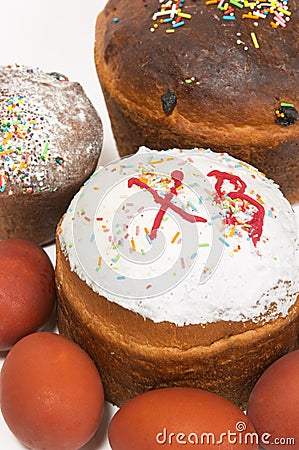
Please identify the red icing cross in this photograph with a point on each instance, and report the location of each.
(257, 221)
(165, 202)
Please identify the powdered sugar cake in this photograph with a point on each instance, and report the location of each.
(51, 139)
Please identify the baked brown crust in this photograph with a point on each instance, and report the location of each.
(134, 354)
(35, 216)
(231, 104)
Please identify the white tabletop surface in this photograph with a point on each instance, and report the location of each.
(58, 36)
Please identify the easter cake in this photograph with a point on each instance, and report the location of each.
(50, 142)
(221, 74)
(179, 268)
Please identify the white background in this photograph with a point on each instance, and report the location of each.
(57, 35)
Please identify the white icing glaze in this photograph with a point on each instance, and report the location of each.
(249, 282)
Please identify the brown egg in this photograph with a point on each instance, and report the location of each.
(27, 290)
(274, 404)
(50, 392)
(177, 418)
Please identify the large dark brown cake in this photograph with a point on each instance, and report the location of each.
(225, 75)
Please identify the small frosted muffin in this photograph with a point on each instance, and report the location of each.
(179, 268)
(212, 74)
(50, 142)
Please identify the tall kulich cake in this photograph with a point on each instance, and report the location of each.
(179, 268)
(216, 74)
(50, 142)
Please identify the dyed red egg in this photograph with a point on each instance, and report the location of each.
(178, 418)
(274, 404)
(27, 290)
(51, 393)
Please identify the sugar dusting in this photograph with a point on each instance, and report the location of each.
(38, 114)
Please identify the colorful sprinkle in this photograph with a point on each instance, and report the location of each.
(254, 40)
(170, 13)
(224, 241)
(255, 10)
(117, 257)
(133, 245)
(148, 239)
(175, 237)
